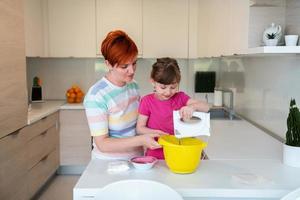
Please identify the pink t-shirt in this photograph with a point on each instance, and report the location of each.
(160, 115)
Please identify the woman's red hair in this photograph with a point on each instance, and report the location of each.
(118, 48)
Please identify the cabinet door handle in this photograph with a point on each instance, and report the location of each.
(44, 133)
(44, 158)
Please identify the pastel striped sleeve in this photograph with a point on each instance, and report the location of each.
(97, 115)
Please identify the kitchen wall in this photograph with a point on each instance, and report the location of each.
(264, 87)
(59, 74)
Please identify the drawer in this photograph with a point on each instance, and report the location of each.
(40, 173)
(40, 126)
(42, 145)
(11, 144)
(15, 190)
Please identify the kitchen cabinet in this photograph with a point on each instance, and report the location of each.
(13, 173)
(125, 15)
(71, 28)
(28, 158)
(75, 138)
(165, 28)
(222, 27)
(35, 28)
(13, 86)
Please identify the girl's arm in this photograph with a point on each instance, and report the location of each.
(186, 112)
(141, 126)
(198, 105)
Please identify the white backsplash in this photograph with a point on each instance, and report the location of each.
(59, 74)
(264, 87)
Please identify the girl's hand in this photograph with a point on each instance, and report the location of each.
(186, 112)
(160, 132)
(149, 141)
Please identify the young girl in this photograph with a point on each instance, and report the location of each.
(156, 109)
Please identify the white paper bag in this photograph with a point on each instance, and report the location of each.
(191, 129)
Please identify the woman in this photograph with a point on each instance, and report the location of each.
(111, 104)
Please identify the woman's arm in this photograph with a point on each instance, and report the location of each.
(108, 144)
(141, 126)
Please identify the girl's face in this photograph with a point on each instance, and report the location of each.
(165, 92)
(123, 73)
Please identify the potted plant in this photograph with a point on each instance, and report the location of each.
(271, 39)
(291, 149)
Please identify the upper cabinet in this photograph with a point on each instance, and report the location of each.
(71, 28)
(123, 15)
(34, 11)
(174, 28)
(222, 27)
(165, 28)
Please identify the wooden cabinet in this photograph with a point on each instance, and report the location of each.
(222, 27)
(71, 28)
(13, 167)
(35, 28)
(28, 158)
(125, 15)
(75, 138)
(13, 86)
(165, 28)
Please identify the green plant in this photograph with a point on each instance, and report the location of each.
(293, 125)
(271, 36)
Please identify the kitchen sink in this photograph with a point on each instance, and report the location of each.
(222, 114)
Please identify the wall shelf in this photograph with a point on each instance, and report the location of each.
(273, 50)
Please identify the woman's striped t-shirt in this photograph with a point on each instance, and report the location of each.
(111, 109)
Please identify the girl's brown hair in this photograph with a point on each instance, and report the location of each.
(166, 71)
(118, 48)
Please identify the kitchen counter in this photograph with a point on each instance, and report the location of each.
(244, 163)
(42, 109)
(238, 139)
(239, 179)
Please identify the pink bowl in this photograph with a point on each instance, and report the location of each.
(143, 162)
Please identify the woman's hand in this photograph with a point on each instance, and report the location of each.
(149, 141)
(186, 112)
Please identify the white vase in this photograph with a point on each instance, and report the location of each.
(271, 42)
(291, 155)
(291, 40)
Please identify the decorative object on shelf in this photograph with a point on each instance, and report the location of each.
(74, 94)
(36, 91)
(272, 35)
(291, 40)
(291, 149)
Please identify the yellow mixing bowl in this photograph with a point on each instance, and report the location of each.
(182, 155)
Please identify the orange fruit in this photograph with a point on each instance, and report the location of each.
(72, 95)
(80, 94)
(70, 100)
(78, 100)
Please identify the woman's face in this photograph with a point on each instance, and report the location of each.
(124, 73)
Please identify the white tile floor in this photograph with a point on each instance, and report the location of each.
(59, 188)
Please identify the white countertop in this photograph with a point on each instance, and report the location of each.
(238, 139)
(244, 162)
(253, 179)
(42, 109)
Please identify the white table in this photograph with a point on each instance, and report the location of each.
(268, 179)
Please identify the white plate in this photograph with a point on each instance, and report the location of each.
(294, 195)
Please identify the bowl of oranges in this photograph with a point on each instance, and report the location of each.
(74, 94)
